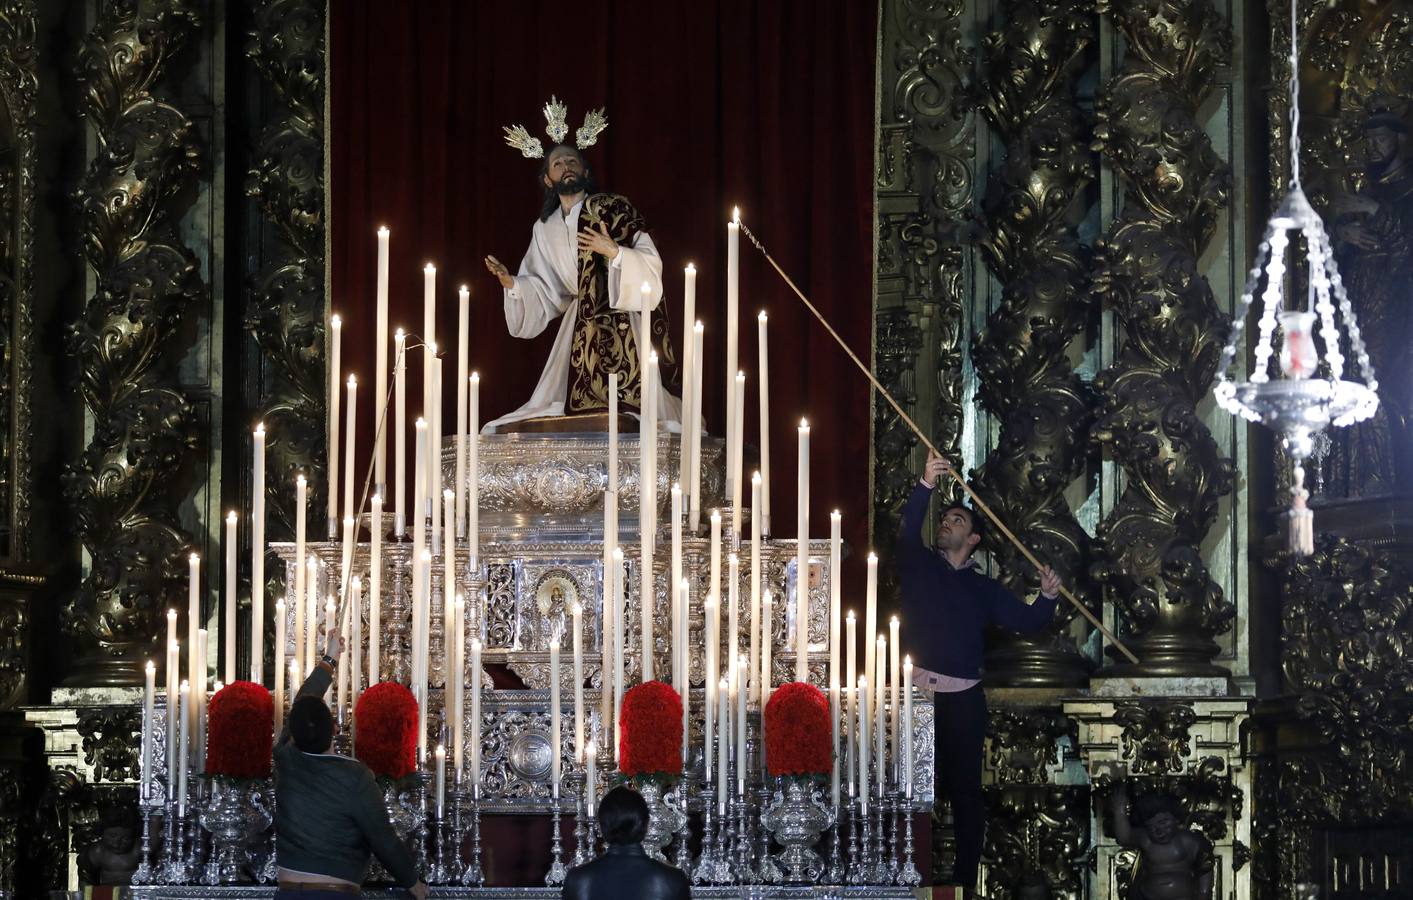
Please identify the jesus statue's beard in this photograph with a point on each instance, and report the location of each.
(568, 185)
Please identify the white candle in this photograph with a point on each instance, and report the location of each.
(712, 625)
(330, 613)
(802, 560)
(754, 595)
(863, 740)
(767, 612)
(895, 672)
(346, 563)
(399, 432)
(334, 395)
(429, 329)
(577, 611)
(183, 755)
(735, 447)
(193, 614)
(350, 435)
(741, 765)
(476, 711)
(591, 787)
(463, 339)
(647, 512)
(870, 616)
(458, 686)
(419, 545)
(294, 678)
(424, 617)
(174, 705)
(257, 558)
(689, 364)
(448, 576)
(380, 371)
(880, 762)
(301, 501)
(723, 688)
(473, 470)
(908, 727)
(441, 781)
(733, 617)
(733, 308)
(611, 512)
(311, 614)
(683, 593)
(694, 433)
(375, 594)
(341, 670)
(355, 647)
(620, 603)
(555, 744)
(835, 551)
(279, 668)
(149, 704)
(434, 452)
(851, 654)
(715, 576)
(764, 376)
(232, 600)
(679, 649)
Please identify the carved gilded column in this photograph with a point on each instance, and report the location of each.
(286, 309)
(1149, 547)
(923, 191)
(1034, 201)
(127, 484)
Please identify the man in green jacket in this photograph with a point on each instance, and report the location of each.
(329, 813)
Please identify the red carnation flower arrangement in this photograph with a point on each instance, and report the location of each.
(798, 734)
(651, 739)
(386, 727)
(239, 731)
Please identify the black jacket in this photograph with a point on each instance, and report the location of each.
(626, 870)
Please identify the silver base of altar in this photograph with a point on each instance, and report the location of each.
(737, 892)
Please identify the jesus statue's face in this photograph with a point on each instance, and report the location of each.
(565, 170)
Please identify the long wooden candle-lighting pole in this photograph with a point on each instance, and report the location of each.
(961, 482)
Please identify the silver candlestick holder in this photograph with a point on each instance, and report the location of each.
(836, 872)
(742, 848)
(894, 802)
(474, 875)
(145, 872)
(908, 873)
(705, 869)
(557, 870)
(683, 856)
(878, 862)
(858, 842)
(767, 870)
(439, 874)
(576, 784)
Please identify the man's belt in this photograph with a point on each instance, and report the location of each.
(333, 886)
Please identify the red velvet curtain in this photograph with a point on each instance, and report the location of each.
(710, 103)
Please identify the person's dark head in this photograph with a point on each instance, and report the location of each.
(959, 528)
(623, 816)
(1384, 138)
(564, 172)
(119, 828)
(1158, 814)
(311, 725)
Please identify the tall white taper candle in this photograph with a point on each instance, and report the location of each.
(380, 369)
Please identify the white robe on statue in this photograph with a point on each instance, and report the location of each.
(546, 288)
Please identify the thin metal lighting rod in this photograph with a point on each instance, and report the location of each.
(976, 500)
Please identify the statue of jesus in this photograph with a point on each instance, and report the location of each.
(590, 256)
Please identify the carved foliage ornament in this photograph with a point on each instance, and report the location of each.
(1172, 332)
(125, 486)
(1033, 204)
(286, 315)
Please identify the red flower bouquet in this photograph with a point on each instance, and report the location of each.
(651, 739)
(798, 734)
(239, 731)
(385, 723)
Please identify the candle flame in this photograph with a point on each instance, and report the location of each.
(618, 554)
(430, 269)
(171, 613)
(676, 487)
(691, 268)
(448, 494)
(872, 558)
(441, 751)
(421, 422)
(834, 515)
(761, 317)
(465, 290)
(279, 606)
(804, 425)
(652, 358)
(476, 377)
(357, 582)
(755, 478)
(740, 375)
(577, 609)
(336, 321)
(850, 616)
(736, 215)
(231, 517)
(383, 231)
(715, 516)
(698, 328)
(376, 498)
(299, 481)
(194, 558)
(353, 381)
(151, 667)
(646, 288)
(399, 334)
(475, 645)
(893, 620)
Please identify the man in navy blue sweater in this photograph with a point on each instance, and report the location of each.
(947, 605)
